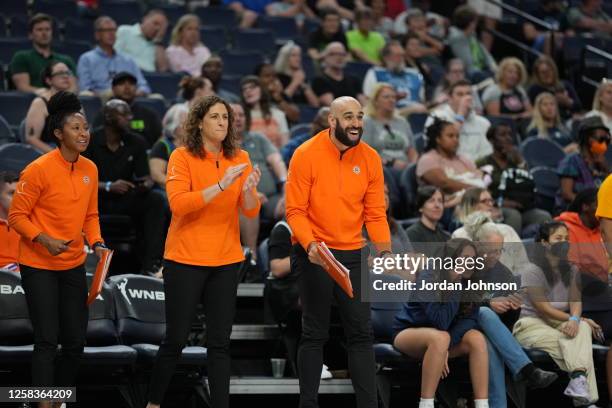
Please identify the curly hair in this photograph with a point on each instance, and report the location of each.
(434, 131)
(60, 106)
(194, 141)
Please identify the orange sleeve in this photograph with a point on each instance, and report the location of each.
(178, 186)
(29, 188)
(297, 189)
(604, 199)
(253, 212)
(375, 216)
(91, 226)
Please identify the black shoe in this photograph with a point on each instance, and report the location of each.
(541, 379)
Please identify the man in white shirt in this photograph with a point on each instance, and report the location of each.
(472, 127)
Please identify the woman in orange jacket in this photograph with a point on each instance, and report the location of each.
(210, 180)
(55, 204)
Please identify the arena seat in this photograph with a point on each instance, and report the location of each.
(123, 12)
(417, 122)
(75, 29)
(216, 16)
(419, 142)
(6, 134)
(14, 106)
(538, 151)
(72, 48)
(299, 129)
(92, 105)
(155, 104)
(284, 28)
(259, 40)
(263, 257)
(547, 185)
(357, 69)
(307, 113)
(214, 38)
(408, 186)
(16, 156)
(240, 62)
(9, 46)
(164, 83)
(59, 9)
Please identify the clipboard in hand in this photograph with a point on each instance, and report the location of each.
(99, 276)
(338, 272)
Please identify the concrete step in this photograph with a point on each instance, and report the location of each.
(269, 385)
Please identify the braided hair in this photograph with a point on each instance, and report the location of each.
(60, 106)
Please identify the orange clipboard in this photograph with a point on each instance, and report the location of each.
(99, 276)
(338, 272)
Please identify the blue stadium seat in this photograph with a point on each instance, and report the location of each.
(155, 104)
(216, 16)
(15, 8)
(240, 62)
(72, 48)
(14, 106)
(59, 9)
(357, 69)
(417, 122)
(609, 154)
(408, 188)
(166, 84)
(307, 113)
(6, 133)
(255, 40)
(214, 38)
(173, 11)
(538, 151)
(75, 29)
(91, 105)
(284, 28)
(419, 142)
(308, 66)
(16, 156)
(547, 185)
(9, 46)
(395, 196)
(19, 27)
(299, 129)
(123, 12)
(231, 83)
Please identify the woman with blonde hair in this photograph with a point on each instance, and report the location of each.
(387, 132)
(602, 103)
(186, 52)
(508, 97)
(289, 69)
(546, 123)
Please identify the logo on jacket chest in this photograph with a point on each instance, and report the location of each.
(356, 169)
(86, 179)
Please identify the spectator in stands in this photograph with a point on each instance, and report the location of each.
(589, 18)
(290, 71)
(415, 58)
(145, 121)
(97, 67)
(330, 31)
(551, 313)
(437, 327)
(427, 235)
(437, 24)
(586, 251)
(602, 104)
(261, 116)
(186, 52)
(382, 23)
(553, 12)
(587, 168)
(472, 127)
(247, 10)
(407, 82)
(455, 71)
(213, 70)
(144, 41)
(319, 123)
(546, 123)
(344, 8)
(465, 45)
(489, 14)
(57, 77)
(477, 208)
(545, 78)
(9, 250)
(298, 9)
(431, 47)
(333, 82)
(499, 312)
(213, 181)
(443, 167)
(125, 183)
(508, 97)
(363, 43)
(272, 85)
(26, 65)
(512, 186)
(400, 243)
(386, 131)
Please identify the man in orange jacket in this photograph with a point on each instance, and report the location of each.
(335, 186)
(9, 238)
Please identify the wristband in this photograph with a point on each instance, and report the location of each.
(574, 318)
(107, 186)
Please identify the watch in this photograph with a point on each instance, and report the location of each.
(99, 244)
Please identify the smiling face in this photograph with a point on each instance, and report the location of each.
(74, 136)
(346, 121)
(215, 124)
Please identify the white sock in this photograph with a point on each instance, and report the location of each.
(481, 403)
(426, 403)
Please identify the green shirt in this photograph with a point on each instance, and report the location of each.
(371, 44)
(32, 62)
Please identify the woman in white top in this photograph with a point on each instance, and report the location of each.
(602, 104)
(186, 52)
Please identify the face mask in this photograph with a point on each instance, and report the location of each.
(599, 147)
(560, 249)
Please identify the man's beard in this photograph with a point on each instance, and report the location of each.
(342, 136)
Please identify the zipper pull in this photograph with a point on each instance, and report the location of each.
(217, 162)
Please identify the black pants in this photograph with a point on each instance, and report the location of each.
(58, 311)
(148, 212)
(186, 286)
(317, 290)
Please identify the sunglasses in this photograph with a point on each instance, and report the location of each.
(603, 138)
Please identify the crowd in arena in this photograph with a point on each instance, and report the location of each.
(485, 147)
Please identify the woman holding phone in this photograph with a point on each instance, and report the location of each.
(209, 182)
(55, 203)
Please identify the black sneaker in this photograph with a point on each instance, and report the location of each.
(541, 379)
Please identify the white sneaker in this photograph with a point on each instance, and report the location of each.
(325, 374)
(578, 390)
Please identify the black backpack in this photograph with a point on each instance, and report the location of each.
(517, 185)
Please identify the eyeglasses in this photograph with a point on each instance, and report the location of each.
(336, 54)
(62, 73)
(602, 138)
(106, 30)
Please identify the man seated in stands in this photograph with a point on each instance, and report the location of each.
(125, 185)
(9, 239)
(247, 10)
(365, 44)
(213, 70)
(27, 65)
(334, 83)
(97, 67)
(144, 41)
(145, 121)
(329, 31)
(589, 18)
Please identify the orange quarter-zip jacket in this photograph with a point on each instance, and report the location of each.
(205, 233)
(60, 199)
(332, 194)
(9, 244)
